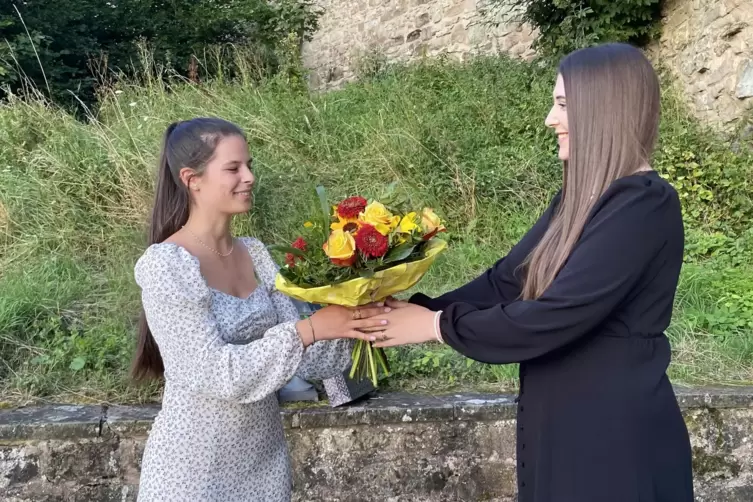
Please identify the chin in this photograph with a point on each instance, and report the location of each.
(239, 209)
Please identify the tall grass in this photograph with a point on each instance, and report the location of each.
(467, 139)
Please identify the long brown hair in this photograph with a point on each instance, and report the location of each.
(185, 144)
(613, 107)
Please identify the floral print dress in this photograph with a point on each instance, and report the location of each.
(219, 436)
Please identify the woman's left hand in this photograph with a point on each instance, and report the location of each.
(407, 324)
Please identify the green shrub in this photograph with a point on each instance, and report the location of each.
(72, 46)
(567, 25)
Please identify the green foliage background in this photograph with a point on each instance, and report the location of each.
(69, 48)
(466, 138)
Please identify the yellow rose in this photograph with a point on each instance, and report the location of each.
(430, 223)
(407, 224)
(380, 218)
(340, 248)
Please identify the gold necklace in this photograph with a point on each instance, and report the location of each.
(232, 246)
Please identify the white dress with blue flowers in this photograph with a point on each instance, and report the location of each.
(219, 436)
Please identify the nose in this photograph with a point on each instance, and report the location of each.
(550, 120)
(248, 176)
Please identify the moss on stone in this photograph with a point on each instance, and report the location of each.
(716, 466)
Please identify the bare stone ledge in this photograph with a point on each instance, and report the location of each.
(393, 447)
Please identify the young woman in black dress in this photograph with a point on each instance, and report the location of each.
(582, 302)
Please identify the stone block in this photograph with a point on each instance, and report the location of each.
(100, 493)
(733, 29)
(88, 460)
(420, 50)
(722, 68)
(393, 13)
(458, 35)
(712, 13)
(455, 10)
(334, 74)
(744, 88)
(18, 465)
(477, 34)
(427, 33)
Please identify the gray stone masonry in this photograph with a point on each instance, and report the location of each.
(391, 448)
(706, 45)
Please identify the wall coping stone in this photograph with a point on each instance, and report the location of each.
(65, 421)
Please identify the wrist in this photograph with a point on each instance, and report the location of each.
(305, 332)
(437, 328)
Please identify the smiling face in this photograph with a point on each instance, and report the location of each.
(225, 184)
(557, 119)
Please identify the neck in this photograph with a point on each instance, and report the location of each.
(213, 230)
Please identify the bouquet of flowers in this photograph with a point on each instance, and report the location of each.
(358, 252)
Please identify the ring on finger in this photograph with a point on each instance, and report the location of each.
(384, 337)
(356, 314)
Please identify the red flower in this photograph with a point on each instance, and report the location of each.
(344, 263)
(300, 243)
(290, 258)
(370, 242)
(351, 207)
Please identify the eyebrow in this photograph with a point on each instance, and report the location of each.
(559, 97)
(235, 162)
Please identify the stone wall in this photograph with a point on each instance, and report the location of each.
(391, 448)
(708, 46)
(402, 30)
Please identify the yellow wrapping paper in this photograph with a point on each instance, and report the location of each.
(361, 291)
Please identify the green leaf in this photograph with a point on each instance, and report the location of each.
(388, 195)
(366, 273)
(287, 249)
(78, 364)
(324, 205)
(43, 359)
(398, 253)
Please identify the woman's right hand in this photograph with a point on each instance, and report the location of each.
(334, 322)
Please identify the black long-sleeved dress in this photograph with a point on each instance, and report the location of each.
(598, 420)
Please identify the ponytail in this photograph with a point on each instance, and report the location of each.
(170, 212)
(188, 144)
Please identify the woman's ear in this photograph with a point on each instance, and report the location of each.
(189, 179)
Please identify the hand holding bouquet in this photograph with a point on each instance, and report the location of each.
(359, 252)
